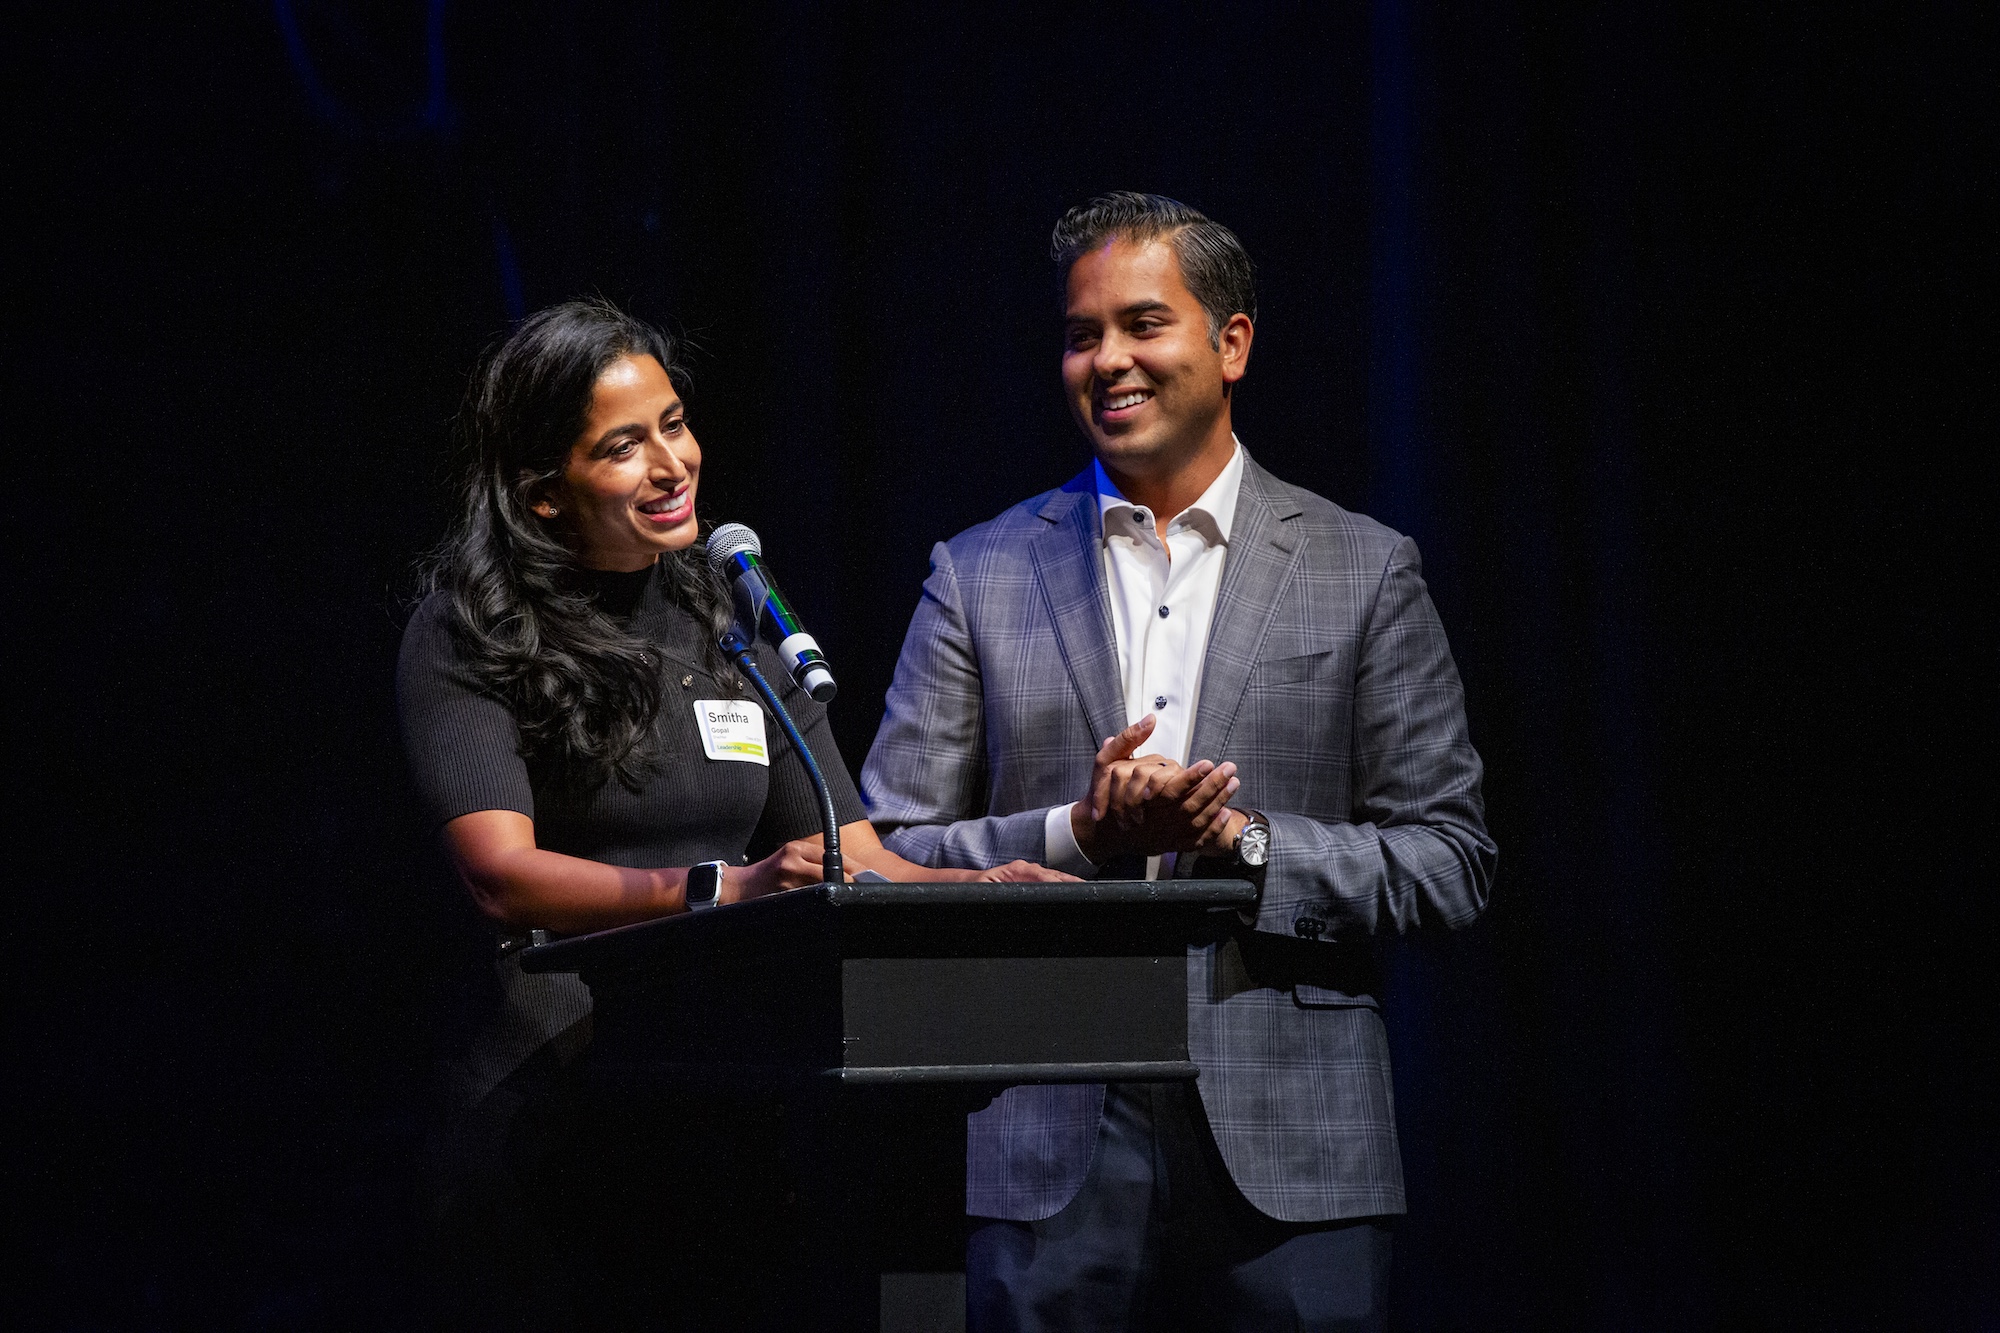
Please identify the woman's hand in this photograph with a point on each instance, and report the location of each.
(1020, 872)
(792, 866)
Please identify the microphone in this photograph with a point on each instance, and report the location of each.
(735, 553)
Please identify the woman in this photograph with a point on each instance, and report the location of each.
(549, 689)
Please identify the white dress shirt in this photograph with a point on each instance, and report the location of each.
(1162, 603)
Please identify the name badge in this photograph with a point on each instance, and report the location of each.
(732, 729)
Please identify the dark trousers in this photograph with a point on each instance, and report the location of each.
(1159, 1237)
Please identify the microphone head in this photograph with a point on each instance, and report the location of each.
(729, 541)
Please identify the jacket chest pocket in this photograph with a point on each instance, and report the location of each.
(1300, 709)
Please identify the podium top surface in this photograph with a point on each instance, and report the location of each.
(1192, 892)
(916, 900)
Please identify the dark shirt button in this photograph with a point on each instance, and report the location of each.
(1163, 613)
(1159, 701)
(1309, 927)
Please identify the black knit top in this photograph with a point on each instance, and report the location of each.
(464, 749)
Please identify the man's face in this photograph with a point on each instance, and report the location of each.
(1146, 385)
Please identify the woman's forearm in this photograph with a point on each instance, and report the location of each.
(527, 887)
(519, 884)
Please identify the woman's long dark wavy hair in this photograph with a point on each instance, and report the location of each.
(584, 691)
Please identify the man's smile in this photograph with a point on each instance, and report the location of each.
(1116, 402)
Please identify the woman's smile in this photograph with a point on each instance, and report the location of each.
(669, 510)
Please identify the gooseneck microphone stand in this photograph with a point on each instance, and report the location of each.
(733, 643)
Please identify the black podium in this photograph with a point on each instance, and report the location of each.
(872, 1018)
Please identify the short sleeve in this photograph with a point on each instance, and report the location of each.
(462, 743)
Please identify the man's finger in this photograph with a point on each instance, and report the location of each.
(1111, 784)
(1138, 779)
(1177, 787)
(1100, 793)
(1200, 820)
(1157, 770)
(1127, 742)
(1217, 837)
(1115, 749)
(1197, 796)
(1128, 793)
(1208, 817)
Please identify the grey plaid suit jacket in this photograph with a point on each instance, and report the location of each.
(1328, 682)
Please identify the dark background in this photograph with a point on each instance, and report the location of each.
(1666, 329)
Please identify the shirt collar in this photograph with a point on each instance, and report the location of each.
(1213, 513)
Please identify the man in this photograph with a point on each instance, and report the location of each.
(1278, 661)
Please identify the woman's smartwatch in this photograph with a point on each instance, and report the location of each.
(704, 885)
(1253, 842)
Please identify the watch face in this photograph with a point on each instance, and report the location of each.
(704, 883)
(1253, 845)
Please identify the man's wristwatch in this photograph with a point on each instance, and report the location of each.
(1253, 842)
(704, 885)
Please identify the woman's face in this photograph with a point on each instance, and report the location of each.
(627, 493)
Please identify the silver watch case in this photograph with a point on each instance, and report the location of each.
(1253, 845)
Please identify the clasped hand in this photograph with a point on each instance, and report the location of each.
(1148, 805)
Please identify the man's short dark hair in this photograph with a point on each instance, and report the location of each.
(1214, 265)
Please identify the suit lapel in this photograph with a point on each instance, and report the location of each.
(1070, 570)
(1263, 551)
